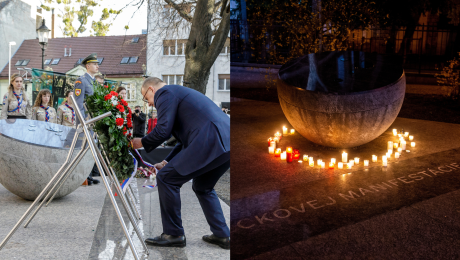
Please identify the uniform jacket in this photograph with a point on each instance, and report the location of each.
(83, 87)
(201, 128)
(39, 114)
(65, 116)
(10, 105)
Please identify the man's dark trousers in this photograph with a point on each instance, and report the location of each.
(169, 184)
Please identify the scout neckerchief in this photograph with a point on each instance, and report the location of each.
(73, 112)
(19, 101)
(47, 117)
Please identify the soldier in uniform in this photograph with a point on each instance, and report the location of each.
(84, 87)
(43, 110)
(16, 103)
(66, 111)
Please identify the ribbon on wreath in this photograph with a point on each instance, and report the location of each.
(126, 182)
(145, 170)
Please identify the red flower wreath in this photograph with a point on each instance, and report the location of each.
(120, 108)
(129, 124)
(113, 93)
(119, 121)
(107, 97)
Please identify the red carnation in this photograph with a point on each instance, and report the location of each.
(120, 108)
(124, 103)
(129, 124)
(114, 93)
(119, 121)
(107, 97)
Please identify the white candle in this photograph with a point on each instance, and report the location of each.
(323, 164)
(276, 139)
(374, 158)
(310, 159)
(273, 144)
(366, 163)
(396, 155)
(271, 150)
(388, 155)
(395, 132)
(349, 165)
(411, 137)
(385, 163)
(357, 160)
(395, 145)
(283, 156)
(305, 157)
(333, 160)
(399, 135)
(344, 157)
(399, 150)
(312, 163)
(390, 145)
(403, 145)
(390, 151)
(300, 161)
(351, 162)
(340, 165)
(284, 130)
(319, 162)
(412, 144)
(406, 134)
(292, 131)
(384, 158)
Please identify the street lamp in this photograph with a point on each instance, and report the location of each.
(43, 36)
(9, 70)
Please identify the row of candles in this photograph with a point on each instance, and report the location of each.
(293, 154)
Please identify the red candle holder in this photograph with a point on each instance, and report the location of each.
(278, 152)
(289, 154)
(296, 154)
(269, 141)
(331, 165)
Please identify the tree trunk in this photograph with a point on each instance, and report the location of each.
(391, 43)
(200, 52)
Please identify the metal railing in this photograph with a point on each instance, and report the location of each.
(423, 51)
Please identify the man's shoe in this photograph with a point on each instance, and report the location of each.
(167, 241)
(223, 242)
(90, 182)
(93, 180)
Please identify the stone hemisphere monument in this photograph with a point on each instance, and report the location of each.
(32, 153)
(341, 99)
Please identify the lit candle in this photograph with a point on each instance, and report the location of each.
(311, 163)
(300, 161)
(396, 155)
(283, 156)
(292, 131)
(357, 160)
(289, 154)
(388, 155)
(333, 160)
(340, 165)
(323, 165)
(310, 159)
(411, 137)
(374, 158)
(395, 145)
(390, 151)
(319, 162)
(269, 141)
(366, 163)
(395, 132)
(278, 152)
(349, 165)
(344, 157)
(273, 144)
(399, 135)
(271, 150)
(295, 154)
(412, 144)
(276, 139)
(403, 145)
(390, 145)
(406, 134)
(385, 163)
(305, 157)
(278, 134)
(351, 162)
(331, 165)
(399, 150)
(284, 130)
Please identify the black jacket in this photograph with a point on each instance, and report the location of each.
(139, 124)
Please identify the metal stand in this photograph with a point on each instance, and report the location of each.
(66, 169)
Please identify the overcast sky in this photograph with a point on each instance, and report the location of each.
(136, 23)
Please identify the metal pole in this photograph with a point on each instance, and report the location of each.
(43, 56)
(72, 147)
(9, 67)
(133, 203)
(106, 183)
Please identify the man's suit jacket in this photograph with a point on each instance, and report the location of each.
(201, 128)
(83, 87)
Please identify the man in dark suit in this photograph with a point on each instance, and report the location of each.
(202, 154)
(139, 122)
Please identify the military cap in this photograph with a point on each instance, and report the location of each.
(91, 58)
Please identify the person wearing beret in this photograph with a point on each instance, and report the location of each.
(84, 87)
(202, 154)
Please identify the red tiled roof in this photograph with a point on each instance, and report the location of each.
(111, 48)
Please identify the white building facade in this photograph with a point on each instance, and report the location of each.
(166, 53)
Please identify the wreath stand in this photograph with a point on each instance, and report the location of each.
(102, 163)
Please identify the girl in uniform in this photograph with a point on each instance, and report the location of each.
(66, 111)
(43, 110)
(16, 104)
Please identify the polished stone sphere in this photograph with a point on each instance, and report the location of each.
(32, 154)
(341, 99)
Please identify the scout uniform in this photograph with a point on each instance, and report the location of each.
(47, 114)
(16, 107)
(66, 115)
(84, 86)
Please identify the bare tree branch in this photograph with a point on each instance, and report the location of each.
(224, 6)
(180, 10)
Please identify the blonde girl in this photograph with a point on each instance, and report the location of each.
(16, 103)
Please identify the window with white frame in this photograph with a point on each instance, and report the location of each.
(226, 48)
(173, 79)
(174, 47)
(224, 82)
(130, 91)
